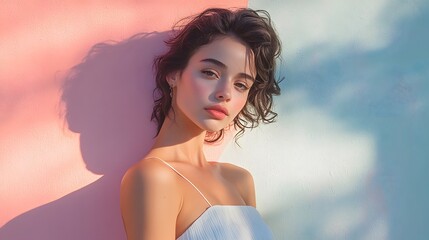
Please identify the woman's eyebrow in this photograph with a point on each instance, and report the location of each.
(246, 76)
(222, 65)
(215, 62)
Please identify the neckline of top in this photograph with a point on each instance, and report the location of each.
(208, 209)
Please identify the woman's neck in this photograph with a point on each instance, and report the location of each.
(180, 141)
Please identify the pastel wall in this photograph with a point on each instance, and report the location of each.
(75, 110)
(348, 157)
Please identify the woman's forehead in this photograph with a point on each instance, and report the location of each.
(229, 51)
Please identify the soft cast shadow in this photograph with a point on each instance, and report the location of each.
(108, 99)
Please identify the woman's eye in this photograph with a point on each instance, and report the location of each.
(209, 73)
(242, 86)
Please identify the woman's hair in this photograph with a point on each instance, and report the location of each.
(252, 27)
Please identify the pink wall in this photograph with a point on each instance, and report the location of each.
(66, 137)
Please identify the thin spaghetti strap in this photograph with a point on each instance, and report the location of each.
(166, 163)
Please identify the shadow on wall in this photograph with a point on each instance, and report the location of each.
(108, 100)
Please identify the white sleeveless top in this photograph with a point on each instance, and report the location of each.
(225, 222)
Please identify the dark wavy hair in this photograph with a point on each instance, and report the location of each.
(252, 27)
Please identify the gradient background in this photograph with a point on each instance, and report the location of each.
(348, 157)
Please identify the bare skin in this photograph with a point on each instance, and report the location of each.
(157, 203)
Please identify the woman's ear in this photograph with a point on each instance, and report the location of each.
(172, 78)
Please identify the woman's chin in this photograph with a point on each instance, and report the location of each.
(213, 126)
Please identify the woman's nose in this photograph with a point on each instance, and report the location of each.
(223, 93)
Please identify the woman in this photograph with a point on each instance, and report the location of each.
(218, 72)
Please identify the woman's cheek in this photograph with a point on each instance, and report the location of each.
(238, 105)
(204, 89)
(195, 88)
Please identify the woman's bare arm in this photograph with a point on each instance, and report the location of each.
(150, 200)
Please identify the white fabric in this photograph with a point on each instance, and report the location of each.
(228, 222)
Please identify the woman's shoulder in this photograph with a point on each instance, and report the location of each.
(242, 179)
(149, 199)
(233, 170)
(150, 172)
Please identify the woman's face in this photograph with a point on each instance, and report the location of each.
(213, 88)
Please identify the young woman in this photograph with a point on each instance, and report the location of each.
(218, 73)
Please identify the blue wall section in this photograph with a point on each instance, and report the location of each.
(379, 86)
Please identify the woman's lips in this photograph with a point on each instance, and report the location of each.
(216, 114)
(217, 111)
